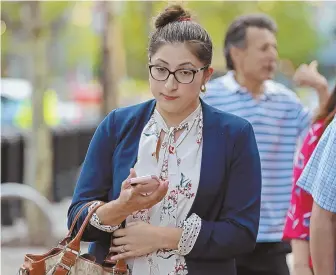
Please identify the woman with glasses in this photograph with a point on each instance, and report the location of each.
(204, 209)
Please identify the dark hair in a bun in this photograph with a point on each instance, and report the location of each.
(174, 25)
(171, 14)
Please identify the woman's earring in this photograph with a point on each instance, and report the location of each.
(203, 88)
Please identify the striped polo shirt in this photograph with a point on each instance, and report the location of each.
(279, 121)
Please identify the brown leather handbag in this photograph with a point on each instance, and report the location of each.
(66, 259)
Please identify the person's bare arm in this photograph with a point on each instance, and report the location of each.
(308, 76)
(301, 256)
(322, 92)
(322, 242)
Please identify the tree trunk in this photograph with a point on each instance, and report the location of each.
(109, 72)
(38, 151)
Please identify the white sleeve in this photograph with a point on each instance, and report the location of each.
(95, 221)
(191, 229)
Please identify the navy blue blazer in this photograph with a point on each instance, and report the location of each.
(227, 199)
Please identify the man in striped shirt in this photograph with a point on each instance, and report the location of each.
(279, 120)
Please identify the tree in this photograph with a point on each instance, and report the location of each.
(14, 41)
(31, 22)
(293, 18)
(109, 67)
(38, 153)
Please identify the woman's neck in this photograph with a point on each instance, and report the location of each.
(175, 119)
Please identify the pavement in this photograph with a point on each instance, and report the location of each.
(12, 256)
(13, 249)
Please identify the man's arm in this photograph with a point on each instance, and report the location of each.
(322, 241)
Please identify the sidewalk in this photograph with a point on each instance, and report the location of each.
(12, 257)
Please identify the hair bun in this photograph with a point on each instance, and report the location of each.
(171, 14)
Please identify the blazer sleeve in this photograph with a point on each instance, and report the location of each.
(235, 231)
(95, 179)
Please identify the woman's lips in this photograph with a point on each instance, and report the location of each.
(166, 97)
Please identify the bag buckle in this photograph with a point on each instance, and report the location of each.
(77, 253)
(64, 266)
(118, 272)
(67, 268)
(23, 271)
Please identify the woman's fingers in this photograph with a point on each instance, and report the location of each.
(121, 248)
(119, 241)
(132, 173)
(126, 183)
(133, 223)
(136, 198)
(126, 255)
(156, 196)
(116, 249)
(120, 232)
(159, 193)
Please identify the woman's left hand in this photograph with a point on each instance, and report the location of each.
(136, 240)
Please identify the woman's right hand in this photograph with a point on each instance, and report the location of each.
(133, 198)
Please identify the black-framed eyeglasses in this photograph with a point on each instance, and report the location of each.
(183, 76)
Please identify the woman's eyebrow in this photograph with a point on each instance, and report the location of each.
(161, 60)
(187, 63)
(182, 64)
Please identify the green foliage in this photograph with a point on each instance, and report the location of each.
(294, 19)
(134, 25)
(216, 17)
(297, 37)
(13, 14)
(53, 10)
(81, 43)
(12, 9)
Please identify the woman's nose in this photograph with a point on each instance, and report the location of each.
(171, 83)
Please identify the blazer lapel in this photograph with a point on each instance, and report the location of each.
(139, 128)
(127, 152)
(213, 163)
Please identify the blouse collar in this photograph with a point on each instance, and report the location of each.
(186, 123)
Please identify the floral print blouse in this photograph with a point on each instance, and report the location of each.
(179, 162)
(298, 216)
